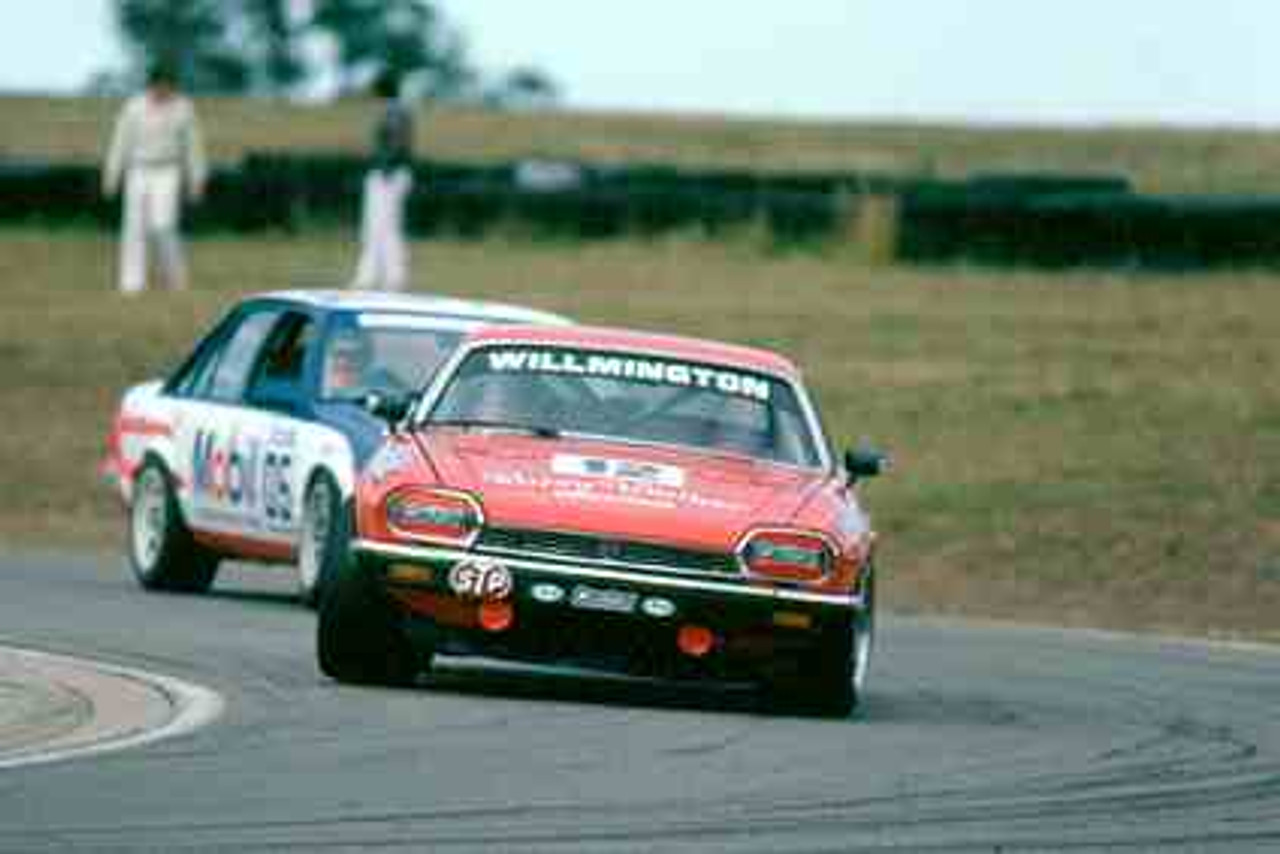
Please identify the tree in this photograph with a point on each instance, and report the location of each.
(408, 37)
(274, 33)
(275, 47)
(219, 46)
(192, 34)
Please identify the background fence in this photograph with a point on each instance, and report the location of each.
(1031, 219)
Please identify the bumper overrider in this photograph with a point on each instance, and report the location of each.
(544, 607)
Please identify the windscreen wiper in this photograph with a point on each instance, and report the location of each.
(496, 424)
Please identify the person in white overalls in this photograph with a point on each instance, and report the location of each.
(384, 250)
(157, 151)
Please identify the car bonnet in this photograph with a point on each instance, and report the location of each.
(649, 493)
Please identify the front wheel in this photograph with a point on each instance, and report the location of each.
(162, 552)
(358, 634)
(832, 681)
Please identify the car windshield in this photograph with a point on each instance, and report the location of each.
(550, 391)
(385, 353)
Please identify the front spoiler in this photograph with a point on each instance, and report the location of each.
(736, 588)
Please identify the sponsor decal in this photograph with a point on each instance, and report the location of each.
(606, 491)
(250, 479)
(609, 366)
(639, 472)
(602, 599)
(481, 578)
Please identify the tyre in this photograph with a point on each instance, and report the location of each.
(322, 539)
(833, 680)
(162, 552)
(841, 680)
(358, 634)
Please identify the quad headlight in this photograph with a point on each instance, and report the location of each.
(441, 516)
(785, 554)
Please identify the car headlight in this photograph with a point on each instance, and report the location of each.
(787, 554)
(438, 516)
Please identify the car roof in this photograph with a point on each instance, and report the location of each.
(648, 343)
(426, 304)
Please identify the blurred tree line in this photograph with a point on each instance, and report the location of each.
(315, 48)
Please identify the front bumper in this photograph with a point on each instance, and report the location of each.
(751, 622)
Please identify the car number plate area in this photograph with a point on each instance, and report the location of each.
(602, 599)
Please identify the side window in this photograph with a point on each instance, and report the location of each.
(192, 378)
(194, 381)
(229, 376)
(280, 371)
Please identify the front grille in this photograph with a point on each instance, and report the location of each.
(590, 548)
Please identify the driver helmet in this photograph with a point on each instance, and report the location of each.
(348, 358)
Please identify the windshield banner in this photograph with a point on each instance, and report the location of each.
(615, 367)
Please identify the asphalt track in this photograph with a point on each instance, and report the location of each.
(975, 738)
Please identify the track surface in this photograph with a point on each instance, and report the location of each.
(975, 738)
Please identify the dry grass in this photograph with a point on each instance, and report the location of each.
(1209, 160)
(1082, 448)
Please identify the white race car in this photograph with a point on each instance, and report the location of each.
(249, 450)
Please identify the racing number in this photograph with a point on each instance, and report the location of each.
(277, 488)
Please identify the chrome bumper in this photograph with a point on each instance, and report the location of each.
(566, 569)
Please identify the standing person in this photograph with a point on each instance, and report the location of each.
(157, 151)
(384, 252)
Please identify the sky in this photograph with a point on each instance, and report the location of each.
(1186, 62)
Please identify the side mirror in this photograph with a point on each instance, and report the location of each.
(391, 408)
(864, 463)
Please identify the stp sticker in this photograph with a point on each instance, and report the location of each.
(481, 578)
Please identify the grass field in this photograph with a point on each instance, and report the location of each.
(1076, 448)
(1206, 160)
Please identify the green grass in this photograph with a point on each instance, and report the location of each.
(1205, 160)
(1077, 448)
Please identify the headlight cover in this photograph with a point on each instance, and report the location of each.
(786, 554)
(440, 516)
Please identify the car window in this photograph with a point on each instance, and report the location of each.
(228, 374)
(632, 397)
(279, 373)
(366, 354)
(194, 373)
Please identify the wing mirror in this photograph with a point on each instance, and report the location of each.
(391, 408)
(864, 463)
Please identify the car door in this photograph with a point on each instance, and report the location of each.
(237, 432)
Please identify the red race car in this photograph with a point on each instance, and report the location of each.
(596, 496)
